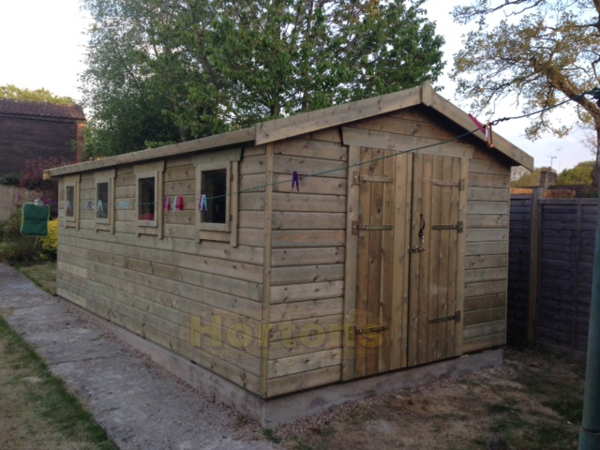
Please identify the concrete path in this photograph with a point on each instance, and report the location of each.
(139, 405)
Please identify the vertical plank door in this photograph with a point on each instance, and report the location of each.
(436, 228)
(408, 272)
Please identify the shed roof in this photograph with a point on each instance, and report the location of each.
(303, 123)
(40, 109)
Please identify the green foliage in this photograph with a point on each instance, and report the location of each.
(271, 436)
(582, 173)
(542, 51)
(171, 71)
(16, 248)
(11, 179)
(49, 244)
(530, 179)
(10, 91)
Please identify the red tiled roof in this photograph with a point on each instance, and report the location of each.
(39, 109)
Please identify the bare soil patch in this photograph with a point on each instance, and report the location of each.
(533, 402)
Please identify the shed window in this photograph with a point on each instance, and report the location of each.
(147, 198)
(102, 203)
(149, 185)
(214, 186)
(70, 203)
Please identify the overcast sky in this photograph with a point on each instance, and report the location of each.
(42, 44)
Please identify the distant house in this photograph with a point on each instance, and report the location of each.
(29, 130)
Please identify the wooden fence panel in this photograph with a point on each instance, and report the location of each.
(521, 207)
(12, 198)
(550, 271)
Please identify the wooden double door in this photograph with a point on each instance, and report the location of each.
(409, 248)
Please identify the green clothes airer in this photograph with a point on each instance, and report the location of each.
(35, 220)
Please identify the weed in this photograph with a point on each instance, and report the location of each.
(271, 436)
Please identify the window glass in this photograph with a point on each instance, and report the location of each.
(102, 197)
(214, 184)
(146, 198)
(70, 206)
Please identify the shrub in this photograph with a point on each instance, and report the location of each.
(49, 244)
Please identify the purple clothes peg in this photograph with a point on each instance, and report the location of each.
(295, 181)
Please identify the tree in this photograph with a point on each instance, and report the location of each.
(167, 70)
(10, 91)
(582, 173)
(542, 52)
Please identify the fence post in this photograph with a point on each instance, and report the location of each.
(534, 233)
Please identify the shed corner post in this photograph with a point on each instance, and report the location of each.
(350, 262)
(268, 242)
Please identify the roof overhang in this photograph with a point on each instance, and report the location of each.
(287, 127)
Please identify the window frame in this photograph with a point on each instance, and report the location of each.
(228, 160)
(72, 181)
(108, 223)
(150, 170)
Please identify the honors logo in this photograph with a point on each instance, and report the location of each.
(240, 334)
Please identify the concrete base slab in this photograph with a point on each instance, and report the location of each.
(292, 407)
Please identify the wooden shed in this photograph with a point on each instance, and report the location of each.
(320, 249)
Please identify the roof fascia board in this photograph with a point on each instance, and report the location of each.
(458, 116)
(204, 144)
(275, 130)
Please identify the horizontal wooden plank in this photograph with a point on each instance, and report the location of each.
(491, 167)
(306, 291)
(486, 261)
(485, 315)
(484, 329)
(406, 126)
(301, 364)
(305, 380)
(308, 238)
(304, 256)
(477, 207)
(305, 309)
(287, 220)
(311, 149)
(478, 275)
(483, 343)
(488, 194)
(306, 274)
(485, 288)
(310, 185)
(487, 234)
(297, 201)
(485, 301)
(309, 166)
(488, 180)
(487, 221)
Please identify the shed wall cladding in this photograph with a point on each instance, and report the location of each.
(301, 254)
(153, 286)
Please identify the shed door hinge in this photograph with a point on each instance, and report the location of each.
(456, 317)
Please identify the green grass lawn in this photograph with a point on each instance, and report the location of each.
(36, 410)
(42, 274)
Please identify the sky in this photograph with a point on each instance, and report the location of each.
(42, 44)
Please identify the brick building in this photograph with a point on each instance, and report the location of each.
(29, 130)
